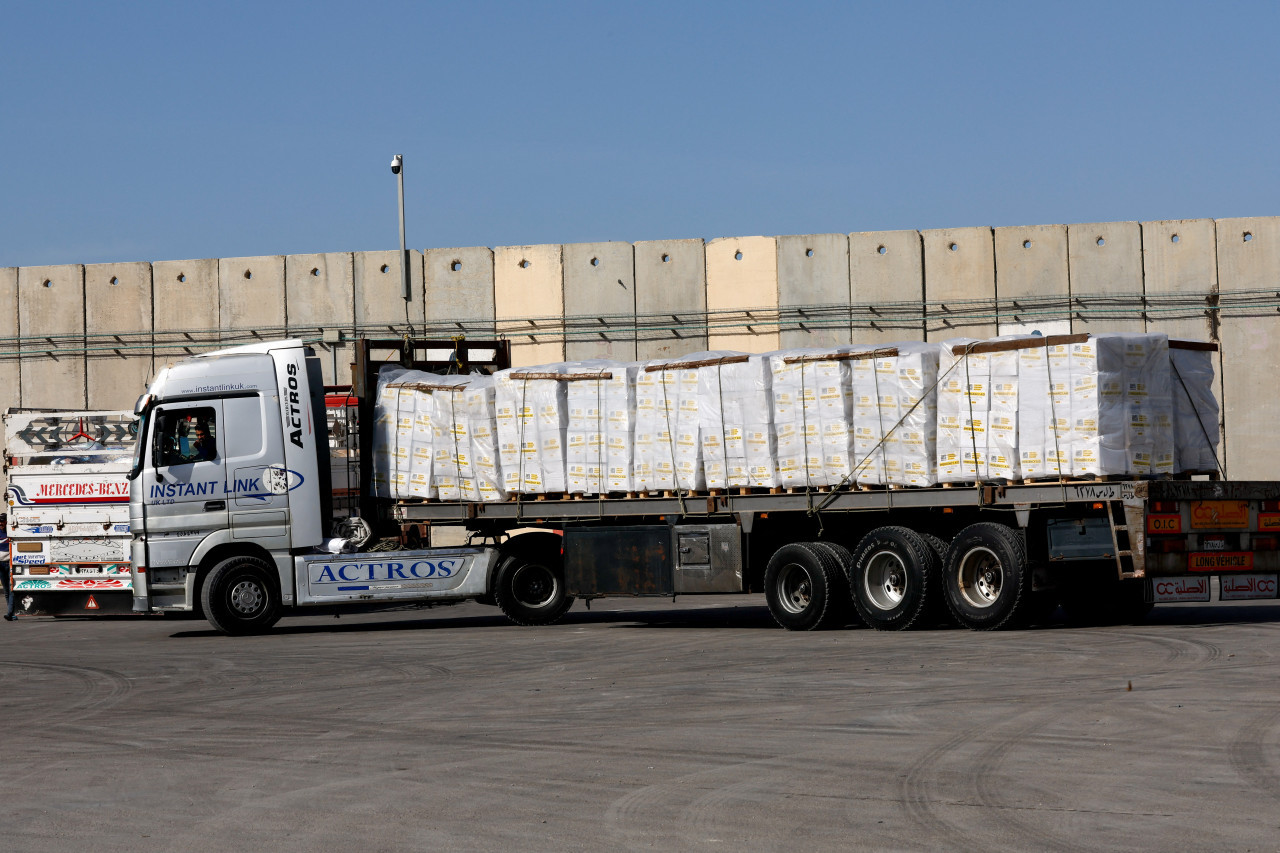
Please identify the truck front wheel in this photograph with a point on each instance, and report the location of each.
(530, 591)
(987, 581)
(240, 597)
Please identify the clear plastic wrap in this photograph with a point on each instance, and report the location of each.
(1195, 409)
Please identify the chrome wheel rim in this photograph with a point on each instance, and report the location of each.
(885, 580)
(981, 577)
(795, 588)
(247, 597)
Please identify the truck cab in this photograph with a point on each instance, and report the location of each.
(226, 468)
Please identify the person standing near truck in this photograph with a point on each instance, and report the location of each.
(4, 567)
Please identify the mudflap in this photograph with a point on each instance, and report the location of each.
(72, 603)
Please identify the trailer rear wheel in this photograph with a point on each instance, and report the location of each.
(531, 591)
(841, 598)
(893, 578)
(239, 596)
(800, 585)
(987, 581)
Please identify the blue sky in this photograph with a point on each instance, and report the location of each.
(152, 131)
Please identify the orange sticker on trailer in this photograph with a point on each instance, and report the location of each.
(1219, 561)
(1269, 521)
(1212, 515)
(1164, 524)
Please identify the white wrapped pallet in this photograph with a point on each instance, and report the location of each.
(485, 481)
(668, 443)
(1121, 406)
(408, 415)
(531, 412)
(1067, 405)
(1195, 409)
(601, 400)
(913, 452)
(392, 434)
(442, 397)
(797, 415)
(1044, 413)
(734, 406)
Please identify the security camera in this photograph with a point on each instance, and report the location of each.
(397, 162)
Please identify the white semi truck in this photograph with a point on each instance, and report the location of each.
(230, 493)
(68, 510)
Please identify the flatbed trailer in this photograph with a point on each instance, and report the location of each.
(986, 556)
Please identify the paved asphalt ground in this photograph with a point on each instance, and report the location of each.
(640, 725)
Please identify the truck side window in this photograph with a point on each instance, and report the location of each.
(186, 436)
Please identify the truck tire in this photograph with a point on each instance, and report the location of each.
(240, 596)
(938, 610)
(842, 599)
(530, 589)
(800, 584)
(987, 581)
(894, 578)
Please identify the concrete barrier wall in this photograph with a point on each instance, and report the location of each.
(528, 290)
(10, 374)
(600, 283)
(251, 299)
(185, 308)
(92, 335)
(51, 323)
(671, 298)
(813, 272)
(960, 283)
(1248, 259)
(742, 294)
(117, 310)
(319, 294)
(1031, 280)
(886, 286)
(1180, 275)
(459, 292)
(381, 310)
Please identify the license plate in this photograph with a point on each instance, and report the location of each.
(1229, 561)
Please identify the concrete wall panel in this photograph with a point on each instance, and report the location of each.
(599, 284)
(380, 307)
(742, 281)
(459, 291)
(1180, 269)
(886, 270)
(1031, 279)
(319, 293)
(320, 298)
(51, 319)
(1105, 260)
(671, 296)
(528, 293)
(813, 270)
(10, 374)
(118, 323)
(1249, 259)
(959, 283)
(185, 299)
(251, 305)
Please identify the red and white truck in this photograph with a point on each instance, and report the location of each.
(68, 510)
(230, 503)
